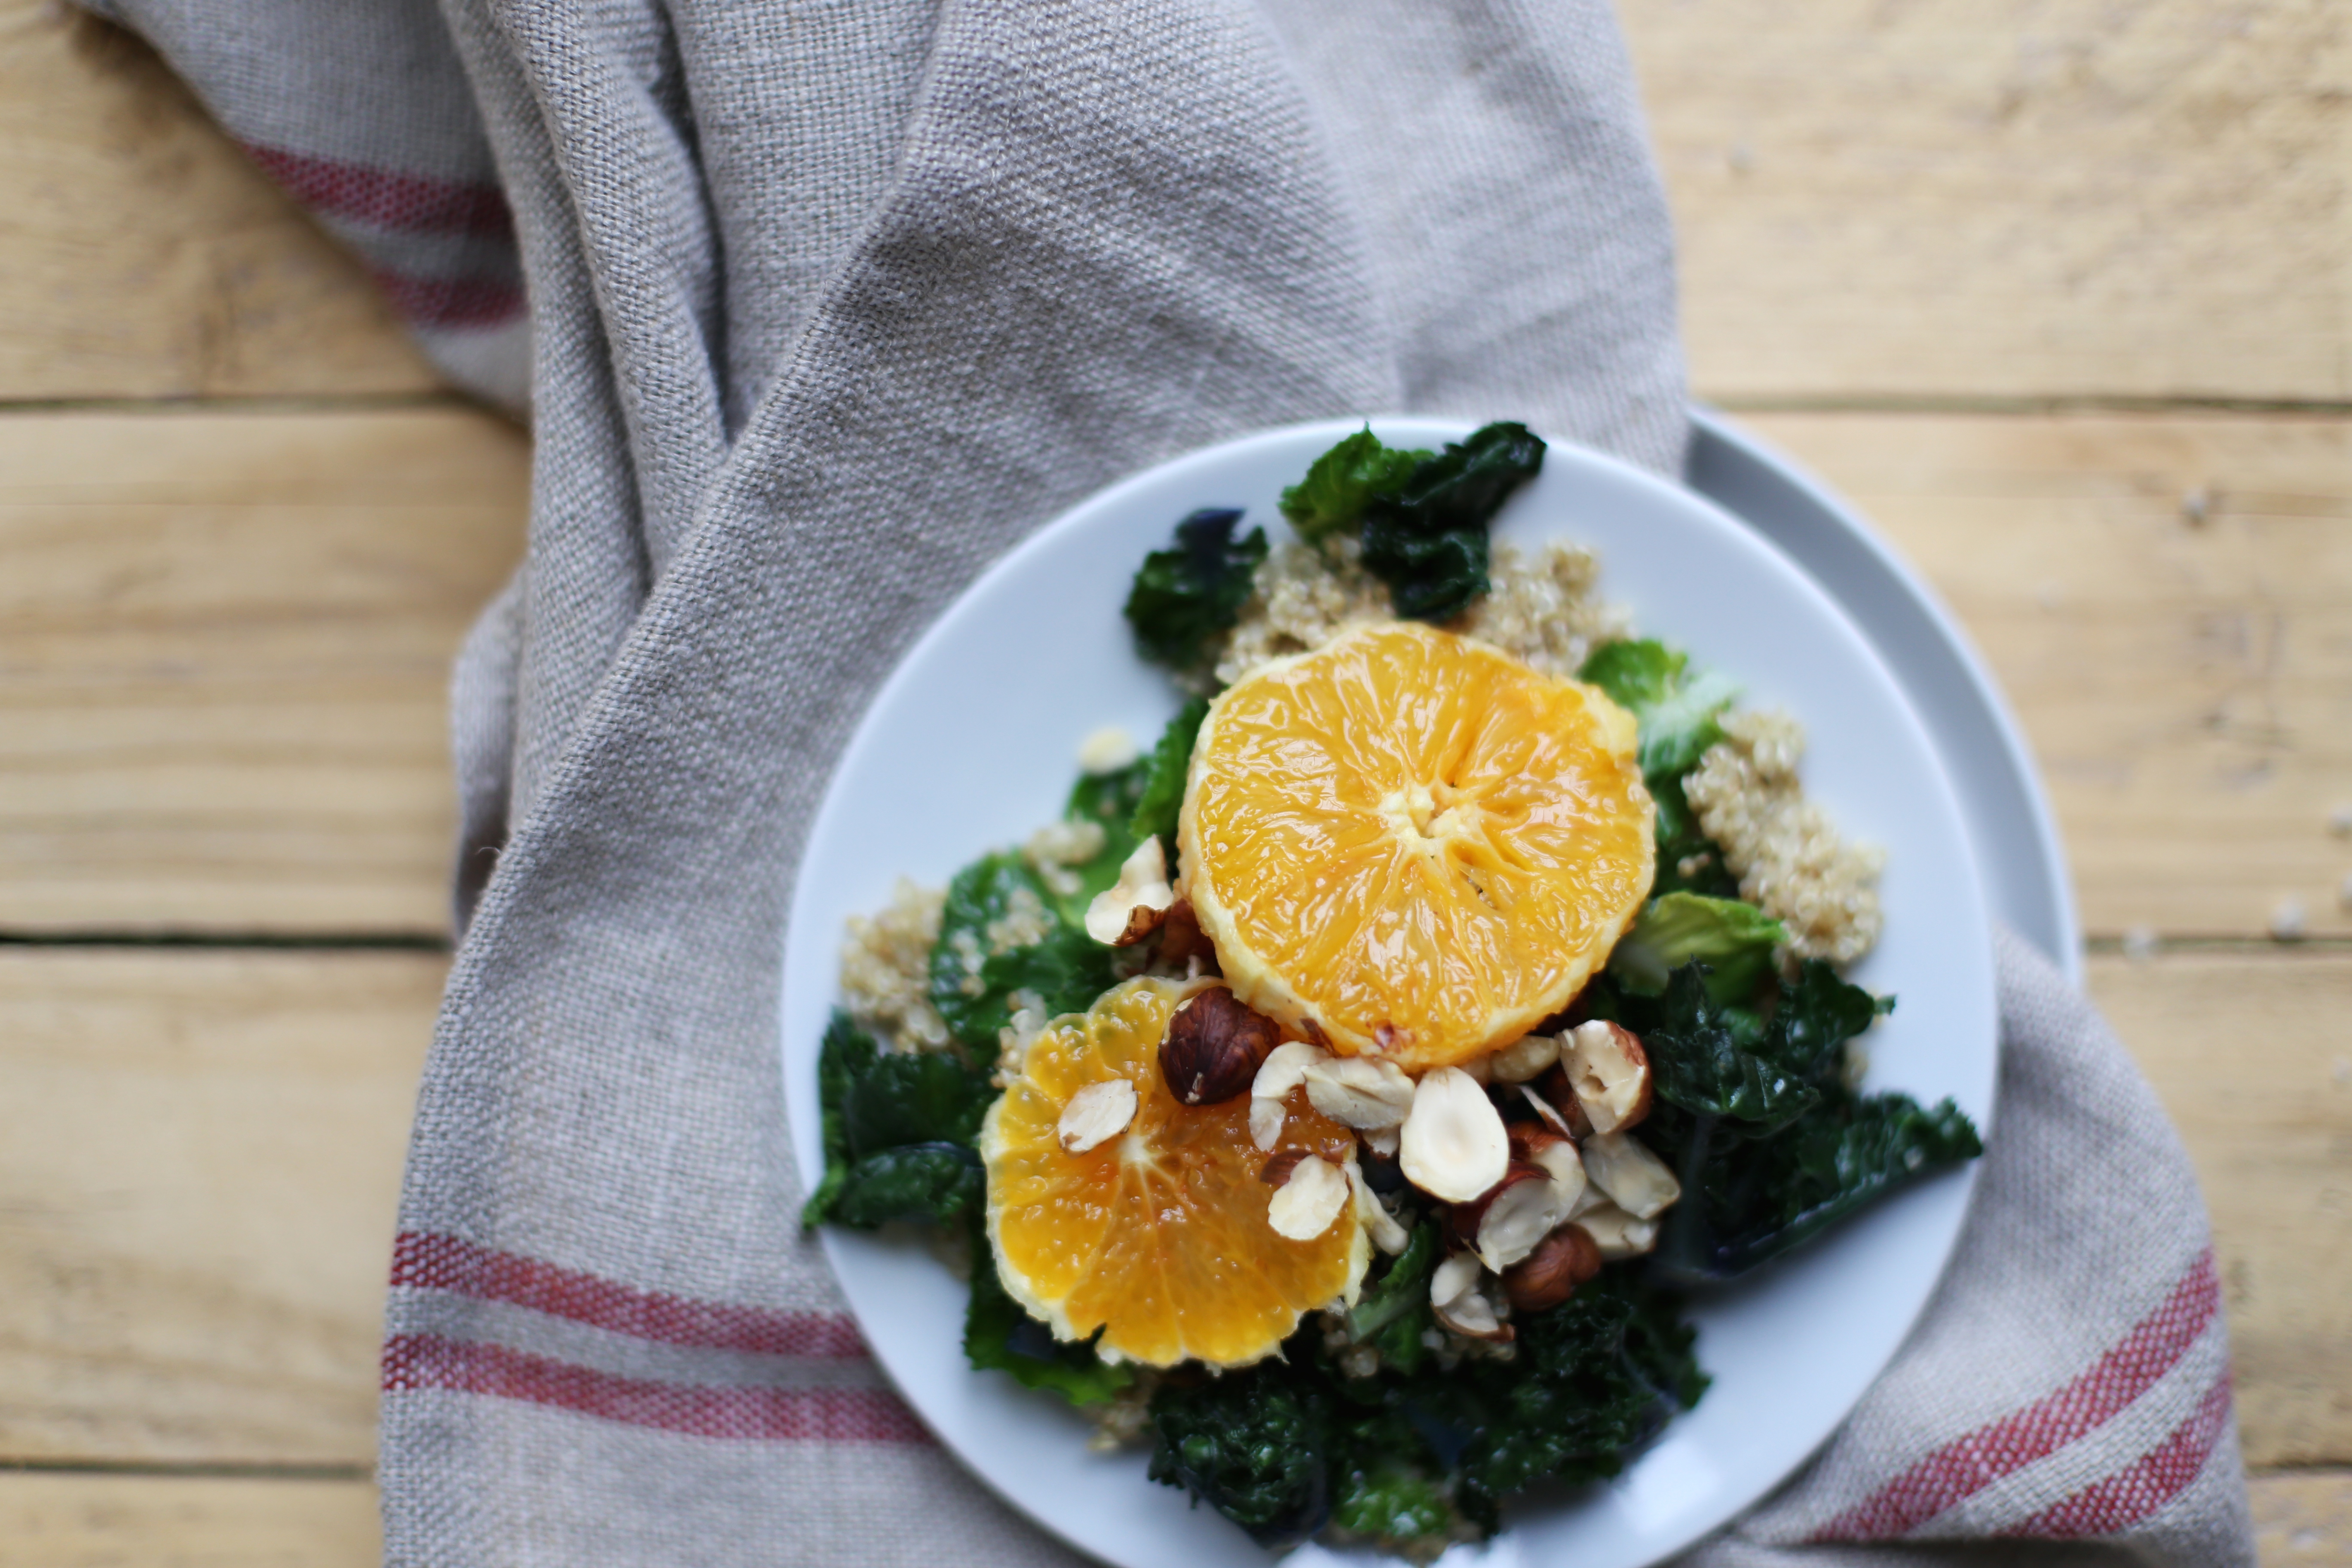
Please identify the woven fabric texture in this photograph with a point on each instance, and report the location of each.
(829, 303)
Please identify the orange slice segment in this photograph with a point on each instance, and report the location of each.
(1410, 842)
(1158, 1235)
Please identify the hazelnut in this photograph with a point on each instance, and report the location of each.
(1215, 1048)
(1557, 1157)
(1459, 1305)
(1132, 908)
(1387, 1234)
(1277, 1167)
(1307, 1203)
(1266, 1118)
(1550, 1274)
(1557, 1093)
(1617, 1234)
(1543, 1108)
(1096, 1112)
(1525, 1059)
(1181, 937)
(1452, 1145)
(1527, 1207)
(1609, 1073)
(1285, 1069)
(1360, 1092)
(1636, 1180)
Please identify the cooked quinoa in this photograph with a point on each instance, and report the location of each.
(1540, 609)
(1783, 848)
(885, 969)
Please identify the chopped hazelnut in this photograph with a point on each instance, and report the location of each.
(1096, 1112)
(1215, 1047)
(1132, 908)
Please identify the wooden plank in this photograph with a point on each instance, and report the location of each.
(2302, 1519)
(224, 644)
(2054, 197)
(50, 1520)
(197, 1198)
(2185, 676)
(145, 256)
(2253, 1054)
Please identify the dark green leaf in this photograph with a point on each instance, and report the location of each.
(1816, 1016)
(972, 985)
(914, 1096)
(1392, 1507)
(1736, 939)
(1394, 1309)
(1688, 860)
(1331, 499)
(1426, 537)
(1696, 1064)
(913, 1182)
(1186, 596)
(1251, 1444)
(999, 1336)
(846, 1055)
(1165, 770)
(1108, 800)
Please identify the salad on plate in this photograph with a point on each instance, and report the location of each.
(1344, 1095)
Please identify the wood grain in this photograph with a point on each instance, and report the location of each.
(2168, 600)
(225, 642)
(197, 1198)
(2252, 1053)
(50, 1520)
(2304, 1519)
(2009, 199)
(145, 256)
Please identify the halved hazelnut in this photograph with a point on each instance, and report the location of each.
(1382, 1140)
(1520, 1213)
(1098, 1111)
(1277, 1167)
(1360, 1092)
(1609, 1073)
(1551, 1119)
(1387, 1234)
(1308, 1201)
(1132, 908)
(1557, 1093)
(1460, 1306)
(1557, 1157)
(1636, 1180)
(1265, 1120)
(1215, 1047)
(1525, 1059)
(1550, 1273)
(1181, 937)
(1452, 1145)
(1617, 1234)
(1285, 1069)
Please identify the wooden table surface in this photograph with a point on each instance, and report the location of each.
(2059, 291)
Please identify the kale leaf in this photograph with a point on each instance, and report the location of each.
(1391, 1506)
(1253, 1445)
(898, 1129)
(1393, 1310)
(1679, 714)
(1818, 1013)
(972, 983)
(1697, 1064)
(1735, 938)
(1688, 860)
(1163, 788)
(1186, 596)
(997, 1336)
(1341, 482)
(912, 1182)
(1109, 801)
(1426, 537)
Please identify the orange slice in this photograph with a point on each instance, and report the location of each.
(1411, 842)
(1158, 1235)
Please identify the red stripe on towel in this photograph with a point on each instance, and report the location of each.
(1960, 1469)
(424, 1261)
(415, 1362)
(450, 301)
(387, 198)
(2113, 1506)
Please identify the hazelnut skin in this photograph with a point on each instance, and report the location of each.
(1214, 1047)
(1550, 1274)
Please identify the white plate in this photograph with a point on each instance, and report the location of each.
(972, 744)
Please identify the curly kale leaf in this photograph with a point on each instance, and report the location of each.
(1341, 482)
(912, 1182)
(1393, 1310)
(1697, 1064)
(999, 1336)
(1186, 596)
(1251, 1444)
(1427, 538)
(1736, 938)
(898, 1129)
(1817, 1014)
(1109, 801)
(1162, 795)
(991, 901)
(846, 1053)
(1393, 1506)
